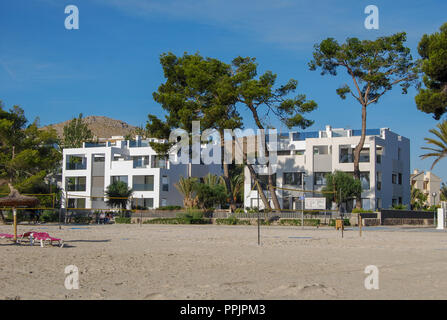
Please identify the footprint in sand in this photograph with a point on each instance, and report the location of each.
(293, 290)
(155, 296)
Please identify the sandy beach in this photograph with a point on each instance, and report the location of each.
(225, 262)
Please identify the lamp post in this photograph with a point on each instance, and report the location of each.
(434, 198)
(302, 200)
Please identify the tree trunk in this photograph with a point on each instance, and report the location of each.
(271, 189)
(357, 150)
(260, 191)
(270, 178)
(226, 174)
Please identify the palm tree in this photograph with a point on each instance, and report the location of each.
(118, 194)
(237, 184)
(187, 187)
(441, 144)
(418, 198)
(211, 179)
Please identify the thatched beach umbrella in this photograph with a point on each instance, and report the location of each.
(14, 200)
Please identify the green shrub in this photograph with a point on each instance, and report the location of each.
(360, 210)
(122, 220)
(192, 217)
(297, 222)
(170, 208)
(232, 221)
(432, 208)
(178, 220)
(163, 221)
(20, 215)
(82, 219)
(49, 216)
(399, 207)
(345, 222)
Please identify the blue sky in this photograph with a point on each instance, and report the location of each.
(110, 65)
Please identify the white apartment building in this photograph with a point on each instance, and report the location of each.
(87, 172)
(305, 158)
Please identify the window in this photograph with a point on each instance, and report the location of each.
(142, 203)
(286, 203)
(321, 150)
(76, 162)
(379, 154)
(283, 153)
(75, 184)
(400, 200)
(394, 202)
(292, 178)
(164, 183)
(143, 183)
(76, 203)
(364, 155)
(378, 203)
(364, 179)
(99, 159)
(379, 180)
(119, 178)
(346, 154)
(164, 202)
(140, 161)
(400, 178)
(320, 178)
(366, 204)
(393, 178)
(158, 162)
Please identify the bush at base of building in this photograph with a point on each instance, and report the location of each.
(122, 220)
(297, 222)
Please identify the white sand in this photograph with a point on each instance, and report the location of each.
(225, 262)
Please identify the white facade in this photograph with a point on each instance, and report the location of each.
(88, 171)
(384, 166)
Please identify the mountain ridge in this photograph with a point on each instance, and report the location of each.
(101, 126)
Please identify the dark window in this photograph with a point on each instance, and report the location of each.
(292, 178)
(364, 178)
(320, 178)
(283, 153)
(400, 178)
(394, 178)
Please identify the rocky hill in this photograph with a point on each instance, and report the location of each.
(102, 127)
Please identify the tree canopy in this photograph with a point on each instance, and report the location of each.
(75, 133)
(341, 187)
(27, 153)
(118, 194)
(439, 144)
(374, 67)
(433, 63)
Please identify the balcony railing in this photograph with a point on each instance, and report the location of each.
(76, 187)
(143, 187)
(76, 166)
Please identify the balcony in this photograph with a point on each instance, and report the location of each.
(76, 166)
(76, 187)
(142, 187)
